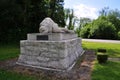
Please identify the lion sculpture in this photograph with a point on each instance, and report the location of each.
(49, 26)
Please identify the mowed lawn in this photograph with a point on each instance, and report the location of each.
(113, 49)
(109, 70)
(8, 52)
(8, 75)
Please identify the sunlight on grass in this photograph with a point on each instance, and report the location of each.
(106, 71)
(113, 49)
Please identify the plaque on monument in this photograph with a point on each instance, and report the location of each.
(42, 37)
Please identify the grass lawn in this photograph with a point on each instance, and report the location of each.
(7, 75)
(108, 71)
(113, 49)
(8, 51)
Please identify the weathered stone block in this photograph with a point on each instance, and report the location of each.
(54, 55)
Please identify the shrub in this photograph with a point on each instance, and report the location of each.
(85, 31)
(102, 58)
(119, 35)
(100, 28)
(102, 50)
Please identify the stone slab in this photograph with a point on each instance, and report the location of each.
(51, 36)
(53, 55)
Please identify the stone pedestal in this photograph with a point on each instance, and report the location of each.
(55, 51)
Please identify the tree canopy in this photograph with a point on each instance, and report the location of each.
(19, 17)
(106, 26)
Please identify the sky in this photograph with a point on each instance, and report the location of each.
(90, 8)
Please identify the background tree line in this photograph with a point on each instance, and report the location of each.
(106, 26)
(19, 17)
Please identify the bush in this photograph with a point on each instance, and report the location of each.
(102, 58)
(100, 28)
(119, 35)
(85, 32)
(102, 50)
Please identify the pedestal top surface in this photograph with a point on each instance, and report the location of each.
(51, 36)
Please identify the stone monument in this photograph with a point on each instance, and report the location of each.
(54, 48)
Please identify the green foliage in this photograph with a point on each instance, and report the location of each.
(113, 49)
(114, 12)
(106, 26)
(19, 17)
(100, 28)
(119, 35)
(85, 31)
(77, 31)
(114, 20)
(84, 21)
(104, 11)
(56, 11)
(108, 71)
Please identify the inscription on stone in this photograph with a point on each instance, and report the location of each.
(42, 37)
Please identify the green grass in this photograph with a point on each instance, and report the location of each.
(108, 71)
(7, 75)
(113, 49)
(8, 51)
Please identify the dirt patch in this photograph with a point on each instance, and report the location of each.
(81, 71)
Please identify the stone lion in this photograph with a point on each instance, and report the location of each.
(49, 26)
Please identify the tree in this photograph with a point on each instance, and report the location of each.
(104, 11)
(103, 29)
(56, 10)
(114, 18)
(112, 15)
(118, 34)
(100, 28)
(9, 15)
(19, 17)
(70, 18)
(85, 31)
(107, 26)
(115, 12)
(84, 21)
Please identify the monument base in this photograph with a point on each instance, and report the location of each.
(56, 55)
